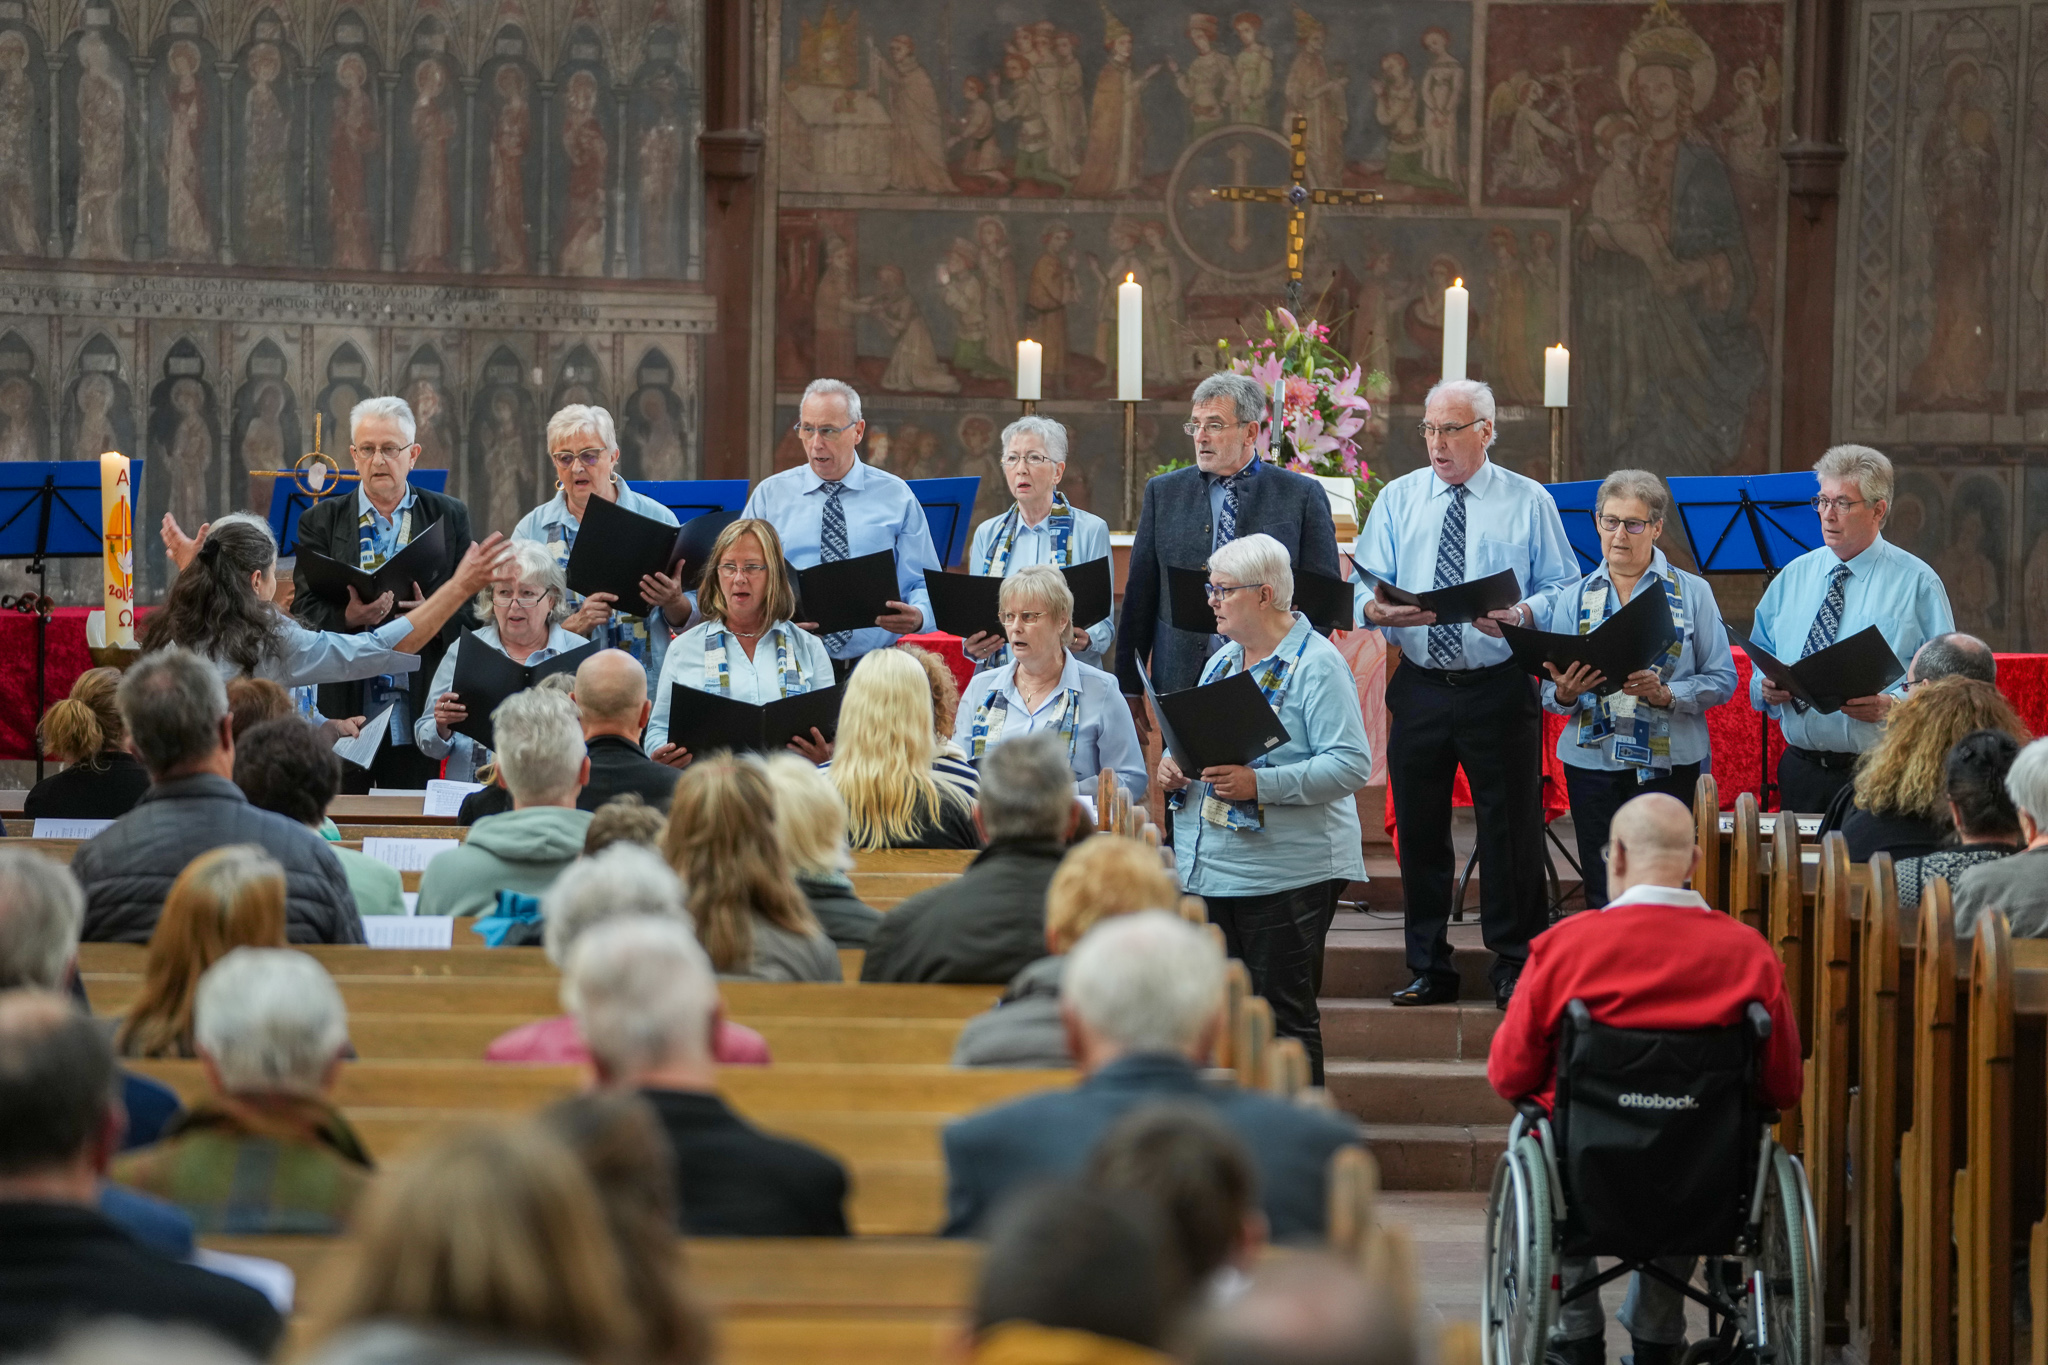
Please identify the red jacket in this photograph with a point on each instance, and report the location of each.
(1660, 958)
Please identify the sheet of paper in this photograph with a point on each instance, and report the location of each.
(274, 1279)
(68, 829)
(398, 791)
(407, 855)
(409, 931)
(445, 797)
(362, 749)
(412, 902)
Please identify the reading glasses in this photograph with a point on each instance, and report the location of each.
(1635, 526)
(805, 431)
(587, 458)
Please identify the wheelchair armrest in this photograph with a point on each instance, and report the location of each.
(1759, 1020)
(1531, 1110)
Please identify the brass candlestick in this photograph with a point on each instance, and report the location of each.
(1557, 445)
(1131, 466)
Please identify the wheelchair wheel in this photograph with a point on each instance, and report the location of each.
(1516, 1297)
(1791, 1308)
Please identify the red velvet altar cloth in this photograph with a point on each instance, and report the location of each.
(67, 659)
(947, 647)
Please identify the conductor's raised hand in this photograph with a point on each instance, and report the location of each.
(487, 561)
(901, 619)
(1232, 782)
(674, 755)
(360, 614)
(179, 546)
(1575, 681)
(1383, 610)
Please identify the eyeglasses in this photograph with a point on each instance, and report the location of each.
(1021, 618)
(741, 570)
(1841, 506)
(1208, 428)
(384, 453)
(587, 458)
(1634, 525)
(805, 431)
(1030, 459)
(527, 598)
(1216, 592)
(1431, 430)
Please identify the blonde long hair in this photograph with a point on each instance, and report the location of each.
(882, 760)
(722, 841)
(226, 898)
(1905, 773)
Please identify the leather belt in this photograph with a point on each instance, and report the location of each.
(1463, 677)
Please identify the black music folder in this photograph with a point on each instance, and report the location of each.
(418, 561)
(1328, 603)
(847, 594)
(704, 722)
(1861, 666)
(484, 677)
(1631, 639)
(1187, 600)
(1092, 591)
(964, 604)
(1218, 725)
(615, 546)
(1461, 603)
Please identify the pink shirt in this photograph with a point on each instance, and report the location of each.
(556, 1040)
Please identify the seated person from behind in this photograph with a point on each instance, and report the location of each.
(1197, 1175)
(541, 758)
(611, 698)
(1952, 655)
(285, 766)
(101, 780)
(226, 898)
(1987, 824)
(2016, 886)
(624, 820)
(1636, 965)
(647, 1001)
(811, 818)
(988, 924)
(886, 761)
(265, 1151)
(253, 701)
(1143, 1000)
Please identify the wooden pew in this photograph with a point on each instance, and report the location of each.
(1825, 1118)
(1706, 818)
(1877, 1125)
(1788, 935)
(1745, 882)
(1927, 1152)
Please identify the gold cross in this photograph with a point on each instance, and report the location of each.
(1297, 195)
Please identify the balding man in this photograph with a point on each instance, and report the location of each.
(1954, 655)
(611, 701)
(1637, 965)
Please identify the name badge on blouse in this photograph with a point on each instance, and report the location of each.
(1637, 754)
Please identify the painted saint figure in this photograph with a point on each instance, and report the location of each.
(18, 434)
(660, 157)
(430, 230)
(351, 137)
(188, 236)
(998, 270)
(582, 250)
(102, 153)
(1313, 91)
(1254, 64)
(19, 234)
(266, 144)
(1209, 85)
(1397, 107)
(1443, 104)
(961, 286)
(914, 361)
(917, 131)
(263, 443)
(1115, 159)
(191, 450)
(834, 306)
(1959, 177)
(1024, 104)
(1054, 288)
(505, 197)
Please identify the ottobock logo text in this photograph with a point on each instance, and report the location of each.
(1635, 1099)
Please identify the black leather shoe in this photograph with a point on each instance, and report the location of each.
(1655, 1353)
(1424, 990)
(1504, 991)
(1584, 1351)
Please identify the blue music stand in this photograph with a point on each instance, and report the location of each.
(1576, 504)
(50, 509)
(1756, 523)
(689, 498)
(949, 508)
(288, 501)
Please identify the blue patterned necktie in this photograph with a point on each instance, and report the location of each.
(1829, 621)
(831, 549)
(1446, 643)
(1226, 521)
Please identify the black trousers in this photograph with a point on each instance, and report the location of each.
(1493, 726)
(396, 765)
(1596, 795)
(1807, 788)
(1279, 938)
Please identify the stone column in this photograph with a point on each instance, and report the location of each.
(468, 256)
(140, 250)
(389, 80)
(226, 72)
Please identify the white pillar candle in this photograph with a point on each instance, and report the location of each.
(1457, 326)
(1130, 340)
(1030, 364)
(1557, 371)
(117, 531)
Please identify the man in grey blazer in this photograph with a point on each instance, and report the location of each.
(1230, 492)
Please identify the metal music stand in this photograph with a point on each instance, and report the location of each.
(1757, 523)
(949, 508)
(50, 509)
(691, 498)
(289, 499)
(1576, 506)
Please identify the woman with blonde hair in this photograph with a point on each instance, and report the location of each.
(226, 898)
(812, 819)
(1898, 803)
(101, 779)
(723, 842)
(883, 763)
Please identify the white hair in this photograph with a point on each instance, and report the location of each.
(1868, 469)
(536, 567)
(1045, 429)
(1257, 558)
(1148, 982)
(386, 405)
(583, 417)
(42, 911)
(822, 388)
(1476, 394)
(271, 1019)
(643, 993)
(1039, 585)
(1639, 484)
(2027, 782)
(624, 879)
(538, 736)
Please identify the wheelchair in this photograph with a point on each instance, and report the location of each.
(1657, 1148)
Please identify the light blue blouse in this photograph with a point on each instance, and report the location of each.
(464, 754)
(1034, 546)
(306, 657)
(553, 526)
(1306, 785)
(1704, 677)
(1104, 735)
(754, 680)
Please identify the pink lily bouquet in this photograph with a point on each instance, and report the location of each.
(1322, 411)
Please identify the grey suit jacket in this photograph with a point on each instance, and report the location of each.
(1175, 530)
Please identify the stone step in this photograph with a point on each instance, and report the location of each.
(1424, 1156)
(1378, 1030)
(1372, 963)
(1416, 1092)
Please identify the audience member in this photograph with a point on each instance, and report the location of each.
(1986, 823)
(254, 701)
(619, 1140)
(226, 898)
(811, 818)
(265, 1152)
(644, 993)
(101, 780)
(176, 711)
(722, 840)
(1102, 876)
(882, 761)
(1306, 1310)
(988, 924)
(1898, 802)
(284, 766)
(952, 764)
(62, 1263)
(1072, 1276)
(611, 698)
(496, 1234)
(540, 751)
(1950, 656)
(626, 880)
(1143, 1001)
(1186, 1163)
(624, 820)
(2016, 886)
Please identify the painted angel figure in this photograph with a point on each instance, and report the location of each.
(1748, 134)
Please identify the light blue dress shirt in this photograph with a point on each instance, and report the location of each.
(1104, 735)
(1510, 523)
(1034, 546)
(1887, 588)
(1306, 785)
(310, 657)
(1704, 677)
(754, 681)
(881, 514)
(551, 525)
(464, 754)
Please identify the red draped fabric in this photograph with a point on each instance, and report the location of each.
(947, 647)
(67, 659)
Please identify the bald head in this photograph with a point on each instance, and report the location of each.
(611, 695)
(1953, 655)
(1650, 843)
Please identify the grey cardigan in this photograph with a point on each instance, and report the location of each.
(780, 955)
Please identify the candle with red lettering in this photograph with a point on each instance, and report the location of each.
(117, 523)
